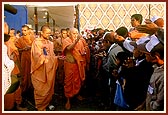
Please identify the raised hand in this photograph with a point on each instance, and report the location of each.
(149, 28)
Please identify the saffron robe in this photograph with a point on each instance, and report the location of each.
(25, 58)
(74, 72)
(10, 99)
(43, 70)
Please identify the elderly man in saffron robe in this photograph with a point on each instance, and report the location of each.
(75, 51)
(43, 69)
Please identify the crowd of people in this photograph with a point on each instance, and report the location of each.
(124, 67)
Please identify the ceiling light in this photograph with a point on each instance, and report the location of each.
(46, 13)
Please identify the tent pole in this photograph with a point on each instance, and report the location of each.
(36, 20)
(48, 18)
(77, 17)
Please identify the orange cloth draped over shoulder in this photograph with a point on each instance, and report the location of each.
(74, 72)
(13, 53)
(43, 70)
(10, 99)
(21, 43)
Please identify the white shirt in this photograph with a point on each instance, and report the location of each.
(7, 69)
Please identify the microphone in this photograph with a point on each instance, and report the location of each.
(44, 51)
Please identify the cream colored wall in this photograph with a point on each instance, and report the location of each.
(112, 15)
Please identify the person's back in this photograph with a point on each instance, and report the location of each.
(137, 79)
(108, 81)
(112, 52)
(8, 66)
(15, 96)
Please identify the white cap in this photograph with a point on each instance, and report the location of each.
(154, 18)
(29, 25)
(105, 35)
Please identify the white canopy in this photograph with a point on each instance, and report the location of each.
(62, 13)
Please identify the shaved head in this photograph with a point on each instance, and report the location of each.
(44, 27)
(45, 32)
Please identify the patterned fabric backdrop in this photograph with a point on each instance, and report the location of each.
(112, 15)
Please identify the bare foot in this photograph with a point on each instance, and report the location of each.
(67, 105)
